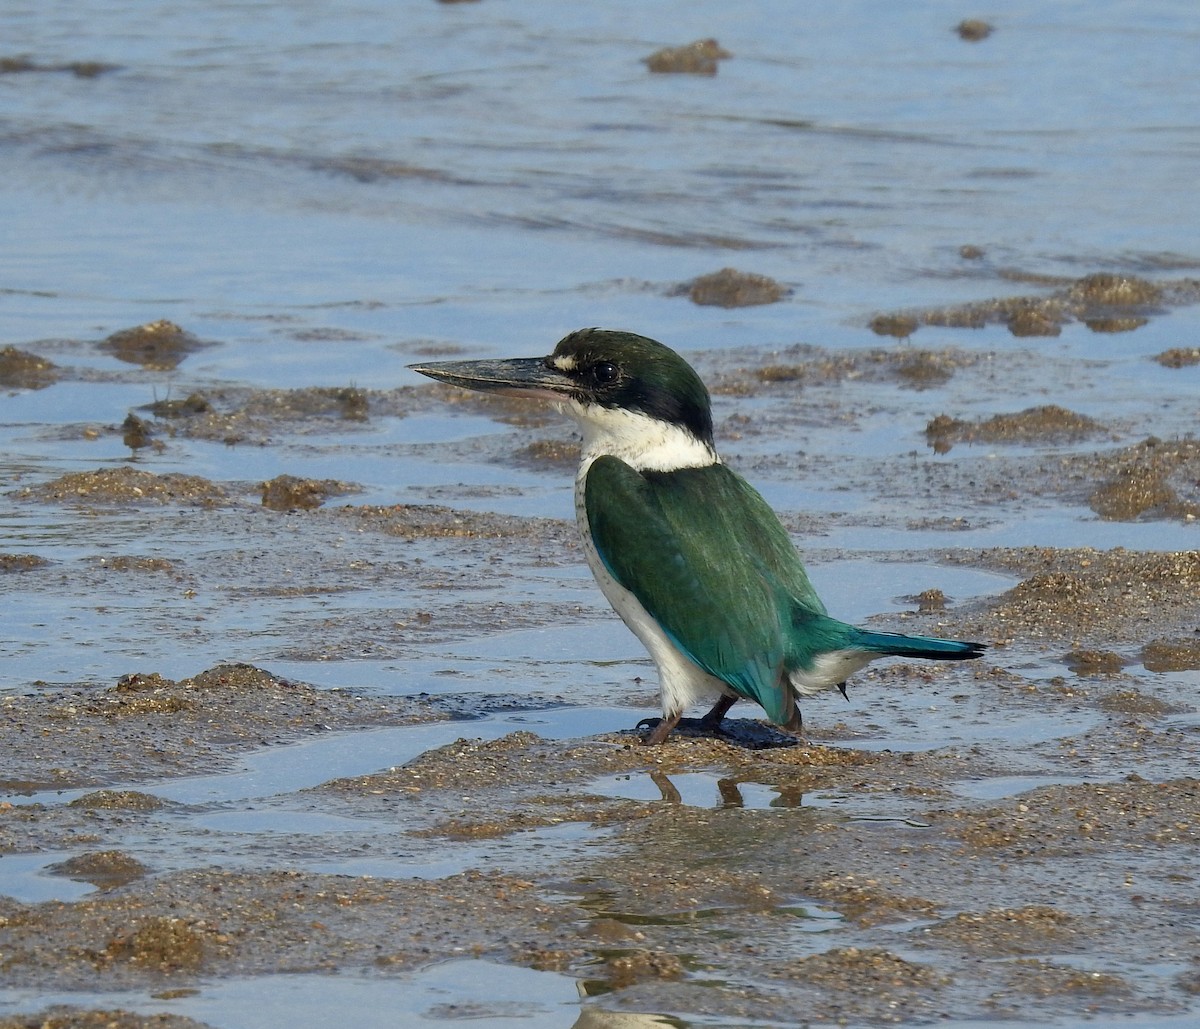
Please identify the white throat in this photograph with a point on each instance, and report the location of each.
(644, 443)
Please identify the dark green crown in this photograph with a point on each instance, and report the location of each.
(624, 370)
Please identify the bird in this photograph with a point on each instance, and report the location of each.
(687, 552)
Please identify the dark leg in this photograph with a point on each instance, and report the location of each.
(710, 723)
(720, 709)
(661, 730)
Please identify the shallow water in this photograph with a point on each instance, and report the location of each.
(324, 195)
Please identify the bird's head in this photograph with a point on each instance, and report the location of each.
(598, 376)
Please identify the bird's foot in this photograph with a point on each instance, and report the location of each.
(743, 733)
(660, 728)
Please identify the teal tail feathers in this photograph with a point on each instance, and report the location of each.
(931, 648)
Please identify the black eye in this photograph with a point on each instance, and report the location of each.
(604, 372)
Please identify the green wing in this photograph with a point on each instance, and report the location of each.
(707, 558)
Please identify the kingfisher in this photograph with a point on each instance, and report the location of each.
(685, 550)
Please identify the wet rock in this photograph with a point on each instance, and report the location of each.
(732, 288)
(125, 485)
(289, 493)
(20, 369)
(156, 345)
(973, 29)
(696, 58)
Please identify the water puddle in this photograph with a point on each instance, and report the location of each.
(24, 877)
(1001, 786)
(471, 991)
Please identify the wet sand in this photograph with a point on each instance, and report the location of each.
(1011, 840)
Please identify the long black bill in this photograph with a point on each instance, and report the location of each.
(516, 377)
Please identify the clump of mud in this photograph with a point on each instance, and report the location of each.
(290, 493)
(63, 1017)
(1172, 655)
(557, 453)
(118, 800)
(161, 944)
(146, 724)
(431, 521)
(696, 58)
(21, 562)
(255, 416)
(20, 369)
(137, 433)
(1094, 662)
(1036, 977)
(1070, 820)
(732, 288)
(1097, 598)
(182, 407)
(972, 30)
(1103, 301)
(890, 988)
(1033, 929)
(106, 869)
(126, 485)
(159, 345)
(1179, 357)
(899, 325)
(806, 365)
(1049, 423)
(1152, 479)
